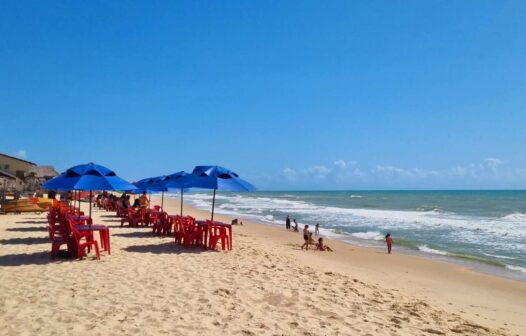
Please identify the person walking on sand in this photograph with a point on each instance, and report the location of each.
(287, 222)
(295, 225)
(306, 235)
(317, 229)
(389, 242)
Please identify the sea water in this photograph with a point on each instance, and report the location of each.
(474, 227)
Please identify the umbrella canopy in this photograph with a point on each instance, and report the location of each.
(177, 181)
(90, 177)
(217, 178)
(151, 184)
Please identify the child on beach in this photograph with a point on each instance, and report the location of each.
(389, 242)
(306, 235)
(311, 241)
(317, 230)
(295, 225)
(323, 247)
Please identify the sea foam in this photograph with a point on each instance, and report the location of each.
(517, 268)
(487, 238)
(425, 248)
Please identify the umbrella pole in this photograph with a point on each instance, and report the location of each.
(181, 201)
(89, 221)
(90, 208)
(213, 204)
(162, 201)
(149, 199)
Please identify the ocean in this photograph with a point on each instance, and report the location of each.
(482, 229)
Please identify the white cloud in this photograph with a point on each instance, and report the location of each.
(343, 173)
(339, 172)
(317, 171)
(340, 164)
(493, 164)
(289, 174)
(414, 173)
(22, 154)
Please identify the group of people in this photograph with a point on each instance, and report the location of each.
(308, 240)
(123, 201)
(307, 235)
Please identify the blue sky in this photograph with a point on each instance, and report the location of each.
(290, 94)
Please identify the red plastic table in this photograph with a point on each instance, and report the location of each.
(104, 233)
(228, 226)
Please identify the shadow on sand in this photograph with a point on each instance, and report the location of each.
(136, 234)
(32, 222)
(165, 248)
(28, 229)
(37, 258)
(111, 221)
(25, 241)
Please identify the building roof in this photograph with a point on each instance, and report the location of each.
(7, 174)
(43, 171)
(15, 158)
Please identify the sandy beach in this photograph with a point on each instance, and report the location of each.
(266, 286)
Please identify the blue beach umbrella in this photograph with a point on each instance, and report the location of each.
(151, 184)
(90, 177)
(177, 181)
(217, 178)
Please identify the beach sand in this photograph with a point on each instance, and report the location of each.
(266, 286)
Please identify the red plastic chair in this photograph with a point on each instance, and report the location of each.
(162, 225)
(72, 225)
(157, 207)
(157, 227)
(133, 218)
(152, 217)
(52, 218)
(82, 245)
(58, 238)
(188, 231)
(216, 233)
(166, 224)
(178, 229)
(190, 235)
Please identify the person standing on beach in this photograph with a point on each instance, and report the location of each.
(143, 204)
(287, 222)
(295, 225)
(306, 234)
(317, 230)
(389, 242)
(143, 200)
